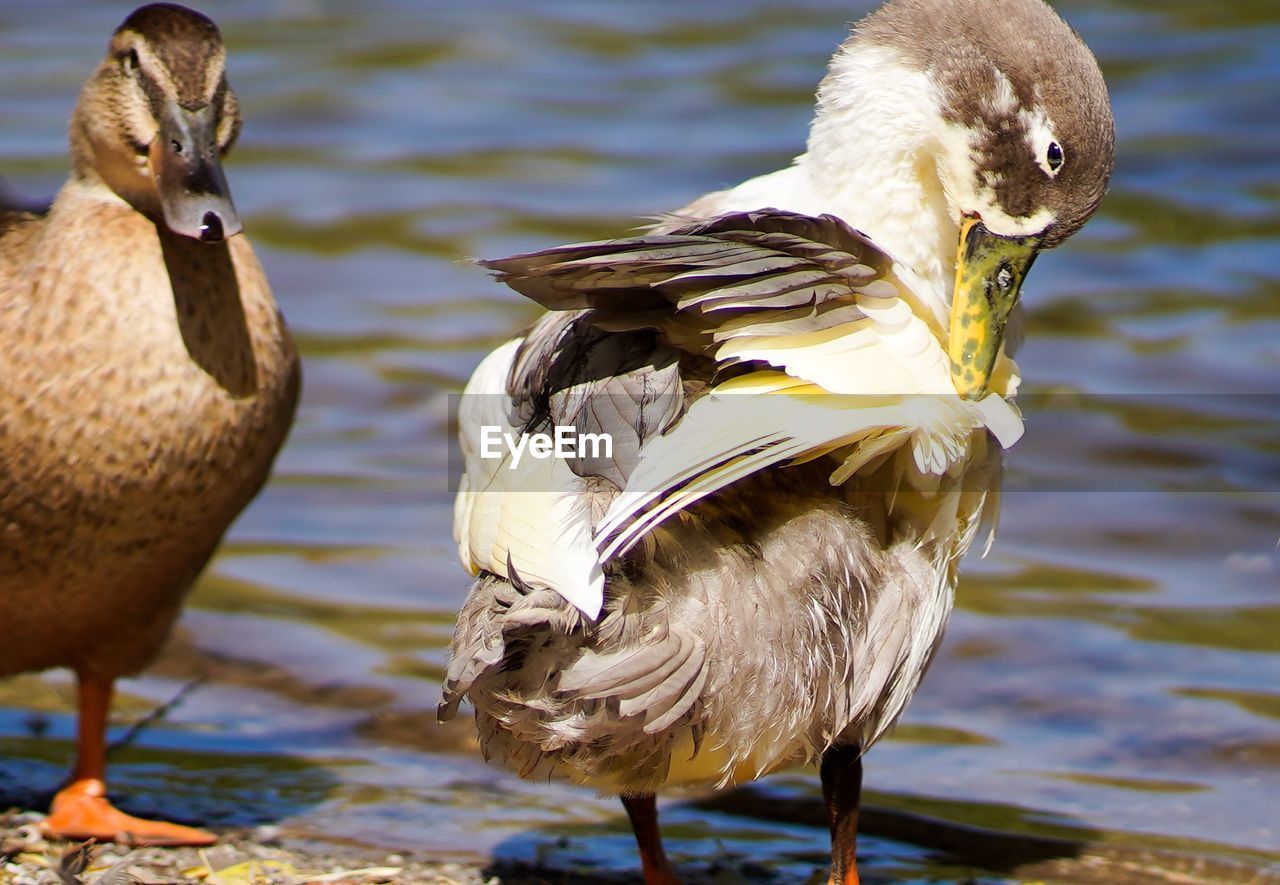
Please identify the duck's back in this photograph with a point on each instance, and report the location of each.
(148, 383)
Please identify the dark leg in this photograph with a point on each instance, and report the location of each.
(81, 810)
(842, 792)
(643, 811)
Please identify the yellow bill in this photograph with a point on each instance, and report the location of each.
(989, 274)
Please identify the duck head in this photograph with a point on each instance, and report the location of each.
(991, 117)
(156, 118)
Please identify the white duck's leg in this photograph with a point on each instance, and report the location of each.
(842, 792)
(643, 811)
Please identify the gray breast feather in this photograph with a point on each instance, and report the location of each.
(716, 629)
(659, 681)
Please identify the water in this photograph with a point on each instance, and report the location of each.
(1113, 668)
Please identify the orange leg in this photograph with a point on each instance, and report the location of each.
(81, 810)
(842, 791)
(643, 811)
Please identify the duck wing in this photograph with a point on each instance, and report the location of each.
(711, 352)
(738, 276)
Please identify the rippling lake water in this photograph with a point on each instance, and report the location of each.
(1112, 670)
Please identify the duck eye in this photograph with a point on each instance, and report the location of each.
(1054, 158)
(129, 61)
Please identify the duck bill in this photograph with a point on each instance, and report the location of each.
(194, 197)
(989, 274)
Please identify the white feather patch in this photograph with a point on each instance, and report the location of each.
(527, 524)
(765, 418)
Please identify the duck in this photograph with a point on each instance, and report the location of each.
(805, 387)
(150, 381)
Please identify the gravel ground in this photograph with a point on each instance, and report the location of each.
(26, 858)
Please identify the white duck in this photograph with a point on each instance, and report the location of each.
(806, 390)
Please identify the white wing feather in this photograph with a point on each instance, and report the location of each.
(525, 522)
(885, 377)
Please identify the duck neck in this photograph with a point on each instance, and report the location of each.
(870, 161)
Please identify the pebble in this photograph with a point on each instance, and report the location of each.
(267, 834)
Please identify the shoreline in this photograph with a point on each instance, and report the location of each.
(266, 856)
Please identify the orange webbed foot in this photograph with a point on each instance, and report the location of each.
(81, 811)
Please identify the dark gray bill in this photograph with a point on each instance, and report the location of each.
(194, 195)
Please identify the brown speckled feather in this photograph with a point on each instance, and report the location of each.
(149, 382)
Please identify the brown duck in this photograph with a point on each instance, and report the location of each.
(148, 382)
